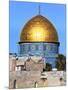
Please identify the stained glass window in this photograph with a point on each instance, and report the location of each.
(44, 47)
(29, 47)
(36, 47)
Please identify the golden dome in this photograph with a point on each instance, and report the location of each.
(39, 29)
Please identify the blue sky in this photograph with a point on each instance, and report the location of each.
(21, 12)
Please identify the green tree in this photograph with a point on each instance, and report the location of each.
(48, 67)
(61, 62)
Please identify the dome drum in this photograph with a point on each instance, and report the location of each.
(39, 42)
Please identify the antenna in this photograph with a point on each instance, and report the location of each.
(39, 9)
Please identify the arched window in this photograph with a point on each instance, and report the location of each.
(14, 85)
(29, 47)
(35, 84)
(48, 47)
(23, 47)
(44, 47)
(36, 47)
(20, 50)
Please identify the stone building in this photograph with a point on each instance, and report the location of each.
(39, 38)
(38, 44)
(28, 73)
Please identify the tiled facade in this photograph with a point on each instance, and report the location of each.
(47, 50)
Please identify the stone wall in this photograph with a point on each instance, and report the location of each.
(33, 75)
(31, 79)
(34, 66)
(12, 63)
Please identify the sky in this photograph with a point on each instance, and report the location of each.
(21, 12)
